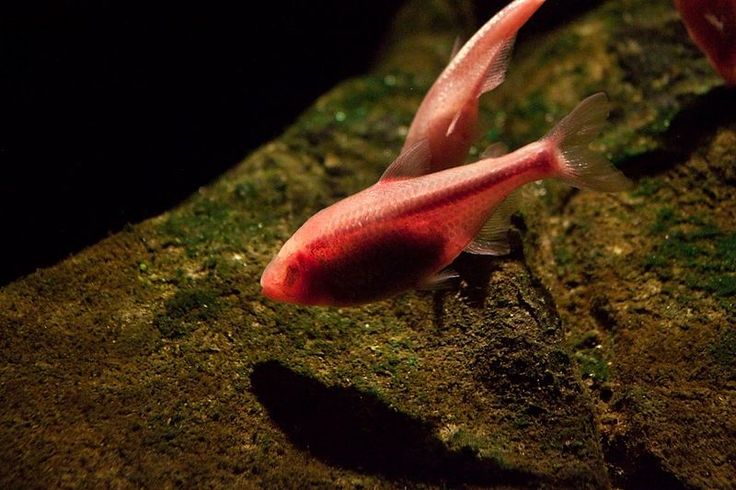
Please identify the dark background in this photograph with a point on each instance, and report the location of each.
(113, 112)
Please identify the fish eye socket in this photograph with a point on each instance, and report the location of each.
(292, 272)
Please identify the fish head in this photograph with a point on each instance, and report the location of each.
(280, 281)
(285, 279)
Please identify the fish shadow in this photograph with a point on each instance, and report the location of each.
(693, 125)
(475, 271)
(355, 430)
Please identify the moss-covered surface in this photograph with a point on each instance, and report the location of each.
(645, 281)
(652, 273)
(151, 359)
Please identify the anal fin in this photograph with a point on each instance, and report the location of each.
(492, 239)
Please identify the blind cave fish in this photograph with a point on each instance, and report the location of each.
(402, 233)
(448, 114)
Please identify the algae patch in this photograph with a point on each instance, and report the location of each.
(186, 310)
(723, 352)
(696, 253)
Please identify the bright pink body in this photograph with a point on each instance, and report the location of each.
(448, 115)
(396, 234)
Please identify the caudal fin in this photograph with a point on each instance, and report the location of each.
(579, 165)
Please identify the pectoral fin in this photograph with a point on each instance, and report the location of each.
(492, 239)
(453, 123)
(494, 150)
(444, 279)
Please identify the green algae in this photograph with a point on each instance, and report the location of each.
(665, 219)
(723, 351)
(590, 356)
(703, 257)
(208, 222)
(593, 366)
(186, 310)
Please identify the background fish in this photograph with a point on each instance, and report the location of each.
(447, 117)
(402, 232)
(712, 26)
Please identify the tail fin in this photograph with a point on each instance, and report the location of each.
(580, 166)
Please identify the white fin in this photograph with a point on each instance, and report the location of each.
(494, 150)
(412, 162)
(441, 280)
(456, 47)
(492, 239)
(453, 123)
(579, 166)
(500, 59)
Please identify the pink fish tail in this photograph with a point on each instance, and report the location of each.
(576, 163)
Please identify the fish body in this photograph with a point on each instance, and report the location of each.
(401, 232)
(448, 115)
(712, 26)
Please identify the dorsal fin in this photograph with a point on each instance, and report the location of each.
(494, 150)
(492, 239)
(500, 59)
(412, 162)
(456, 47)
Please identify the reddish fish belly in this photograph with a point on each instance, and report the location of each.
(369, 267)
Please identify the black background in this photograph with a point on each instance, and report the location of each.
(115, 111)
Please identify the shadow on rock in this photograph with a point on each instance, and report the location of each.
(476, 270)
(355, 430)
(696, 121)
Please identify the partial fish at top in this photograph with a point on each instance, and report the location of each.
(448, 116)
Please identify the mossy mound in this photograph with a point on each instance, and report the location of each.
(151, 359)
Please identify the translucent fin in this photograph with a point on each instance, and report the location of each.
(493, 237)
(453, 123)
(456, 47)
(499, 63)
(412, 162)
(442, 280)
(580, 166)
(494, 150)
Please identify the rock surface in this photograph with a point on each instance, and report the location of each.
(600, 353)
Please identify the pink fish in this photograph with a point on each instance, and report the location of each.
(712, 25)
(402, 233)
(448, 115)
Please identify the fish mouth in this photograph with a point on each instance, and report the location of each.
(270, 293)
(270, 287)
(267, 286)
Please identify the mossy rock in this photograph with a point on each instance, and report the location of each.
(151, 359)
(649, 275)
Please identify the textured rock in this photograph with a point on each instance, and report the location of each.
(645, 282)
(151, 359)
